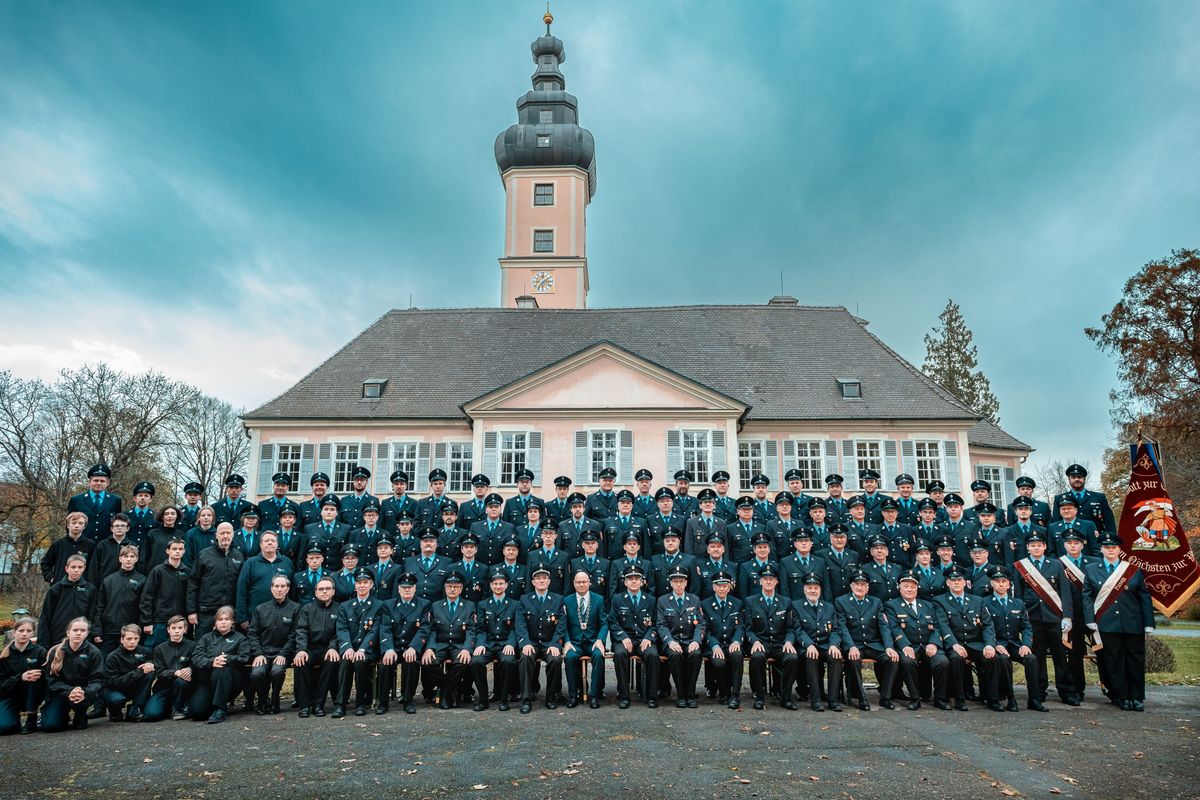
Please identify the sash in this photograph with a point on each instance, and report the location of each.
(1037, 581)
(1108, 594)
(1074, 573)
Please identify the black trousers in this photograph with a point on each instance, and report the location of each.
(1124, 656)
(685, 670)
(727, 671)
(215, 688)
(913, 669)
(268, 679)
(529, 673)
(1047, 640)
(812, 671)
(135, 691)
(362, 675)
(443, 677)
(504, 671)
(1002, 674)
(169, 695)
(315, 680)
(960, 670)
(622, 664)
(786, 663)
(409, 673)
(885, 672)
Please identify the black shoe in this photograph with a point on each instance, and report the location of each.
(446, 703)
(305, 713)
(551, 705)
(652, 703)
(96, 712)
(381, 709)
(941, 705)
(759, 705)
(1037, 705)
(835, 707)
(30, 725)
(114, 715)
(914, 705)
(217, 716)
(261, 710)
(691, 703)
(681, 703)
(594, 702)
(339, 711)
(1138, 705)
(994, 706)
(1127, 705)
(863, 705)
(960, 705)
(972, 696)
(409, 708)
(734, 703)
(888, 704)
(80, 722)
(789, 705)
(360, 711)
(1071, 700)
(572, 701)
(319, 711)
(136, 714)
(526, 707)
(504, 706)
(482, 705)
(623, 703)
(1012, 705)
(275, 707)
(820, 709)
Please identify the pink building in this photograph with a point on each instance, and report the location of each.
(546, 383)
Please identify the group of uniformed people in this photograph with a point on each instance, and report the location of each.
(177, 612)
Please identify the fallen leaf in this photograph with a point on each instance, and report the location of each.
(1055, 790)
(575, 764)
(147, 760)
(357, 725)
(1138, 754)
(813, 778)
(742, 780)
(1009, 792)
(480, 786)
(765, 733)
(1067, 733)
(823, 757)
(570, 772)
(347, 760)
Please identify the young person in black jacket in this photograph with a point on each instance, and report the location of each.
(128, 676)
(219, 662)
(75, 678)
(173, 682)
(22, 680)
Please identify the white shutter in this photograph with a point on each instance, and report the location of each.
(441, 457)
(831, 461)
(718, 454)
(533, 457)
(325, 459)
(674, 454)
(383, 469)
(849, 465)
(421, 479)
(625, 457)
(306, 464)
(953, 480)
(266, 466)
(789, 453)
(1010, 485)
(908, 459)
(364, 455)
(771, 461)
(583, 475)
(891, 464)
(979, 473)
(491, 456)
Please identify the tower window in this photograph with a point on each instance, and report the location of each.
(543, 194)
(545, 116)
(543, 140)
(543, 241)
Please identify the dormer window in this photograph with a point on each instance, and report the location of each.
(850, 389)
(543, 140)
(372, 388)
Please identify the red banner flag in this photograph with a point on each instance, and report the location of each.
(1152, 537)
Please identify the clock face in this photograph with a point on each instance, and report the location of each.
(542, 281)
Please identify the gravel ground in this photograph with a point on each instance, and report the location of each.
(1089, 751)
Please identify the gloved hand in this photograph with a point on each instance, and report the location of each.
(1066, 625)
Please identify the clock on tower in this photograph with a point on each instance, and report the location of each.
(542, 281)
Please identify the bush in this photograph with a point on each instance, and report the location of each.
(1191, 612)
(1159, 655)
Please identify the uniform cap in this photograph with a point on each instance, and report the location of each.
(144, 486)
(1025, 481)
(855, 501)
(762, 537)
(330, 500)
(576, 497)
(643, 475)
(1076, 471)
(980, 485)
(953, 499)
(706, 494)
(282, 477)
(624, 494)
(785, 497)
(235, 480)
(904, 478)
(745, 501)
(479, 479)
(525, 475)
(562, 481)
(664, 491)
(318, 476)
(399, 475)
(437, 474)
(868, 474)
(985, 508)
(493, 499)
(99, 471)
(830, 480)
(360, 472)
(684, 475)
(935, 486)
(760, 480)
(793, 475)
(364, 574)
(192, 487)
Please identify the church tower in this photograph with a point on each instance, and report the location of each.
(548, 167)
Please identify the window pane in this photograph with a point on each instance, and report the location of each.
(543, 194)
(750, 461)
(512, 456)
(543, 140)
(345, 459)
(460, 468)
(543, 241)
(929, 462)
(695, 454)
(604, 452)
(404, 457)
(810, 463)
(868, 456)
(545, 116)
(287, 460)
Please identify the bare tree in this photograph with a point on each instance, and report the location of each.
(207, 442)
(1051, 478)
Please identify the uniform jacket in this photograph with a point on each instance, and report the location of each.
(1133, 611)
(816, 625)
(83, 667)
(453, 632)
(863, 624)
(772, 624)
(632, 620)
(968, 624)
(254, 582)
(99, 512)
(541, 622)
(359, 626)
(792, 573)
(913, 629)
(684, 624)
(231, 511)
(696, 533)
(316, 627)
(431, 580)
(407, 625)
(496, 623)
(1011, 622)
(723, 625)
(272, 629)
(270, 509)
(582, 633)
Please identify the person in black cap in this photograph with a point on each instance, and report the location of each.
(858, 530)
(724, 507)
(558, 509)
(979, 583)
(317, 658)
(329, 534)
(795, 489)
(1118, 610)
(193, 501)
(750, 570)
(770, 630)
(271, 508)
(707, 567)
(725, 622)
(292, 542)
(936, 491)
(835, 504)
(310, 509)
(475, 574)
(586, 631)
(602, 503)
(622, 523)
(360, 624)
(541, 635)
(681, 635)
(818, 523)
(968, 636)
(740, 536)
(493, 532)
(429, 509)
(597, 568)
(402, 642)
(404, 532)
(1075, 564)
(495, 641)
(869, 480)
(1014, 640)
(819, 636)
(354, 500)
(926, 526)
(400, 503)
(631, 625)
(449, 534)
(248, 533)
(881, 572)
(963, 530)
(900, 535)
(783, 526)
(1040, 514)
(867, 634)
(430, 568)
(672, 558)
(1040, 582)
(529, 532)
(304, 582)
(474, 509)
(367, 535)
(518, 573)
(451, 639)
(617, 568)
(663, 519)
(343, 578)
(141, 515)
(1016, 534)
(994, 536)
(644, 504)
(386, 570)
(552, 558)
(1093, 506)
(983, 494)
(686, 505)
(840, 561)
(917, 636)
(764, 509)
(1068, 519)
(794, 569)
(699, 528)
(572, 527)
(906, 504)
(931, 581)
(233, 505)
(516, 506)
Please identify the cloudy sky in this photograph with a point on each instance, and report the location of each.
(228, 192)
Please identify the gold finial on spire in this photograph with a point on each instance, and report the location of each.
(548, 17)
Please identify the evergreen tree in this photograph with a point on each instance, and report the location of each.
(951, 359)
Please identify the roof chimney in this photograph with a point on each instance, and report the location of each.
(526, 301)
(783, 300)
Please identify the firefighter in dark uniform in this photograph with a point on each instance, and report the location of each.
(449, 534)
(493, 532)
(602, 503)
(572, 527)
(496, 641)
(541, 635)
(995, 536)
(841, 562)
(708, 568)
(818, 523)
(749, 572)
(926, 526)
(882, 573)
(936, 490)
(983, 494)
(1017, 534)
(724, 620)
(1067, 510)
(698, 528)
(686, 505)
(430, 568)
(930, 580)
(819, 636)
(618, 527)
(403, 532)
(631, 626)
(867, 634)
(1052, 621)
(98, 503)
(663, 519)
(783, 526)
(969, 637)
(360, 623)
(272, 508)
(739, 536)
(1041, 514)
(291, 540)
(1120, 624)
(917, 635)
(405, 634)
(770, 629)
(343, 578)
(1075, 564)
(1093, 506)
(141, 515)
(391, 509)
(476, 575)
(764, 509)
(368, 534)
(794, 570)
(451, 639)
(724, 507)
(475, 509)
(871, 496)
(597, 568)
(906, 504)
(515, 507)
(429, 509)
(1014, 640)
(558, 509)
(900, 535)
(672, 558)
(551, 558)
(517, 573)
(329, 534)
(795, 490)
(681, 633)
(304, 582)
(385, 569)
(192, 492)
(231, 508)
(644, 504)
(835, 504)
(310, 509)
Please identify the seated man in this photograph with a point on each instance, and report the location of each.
(1014, 640)
(587, 630)
(820, 637)
(681, 630)
(917, 635)
(866, 633)
(631, 623)
(495, 641)
(725, 620)
(968, 636)
(402, 642)
(770, 629)
(271, 643)
(451, 638)
(541, 632)
(359, 624)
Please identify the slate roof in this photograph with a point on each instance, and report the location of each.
(987, 434)
(781, 360)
